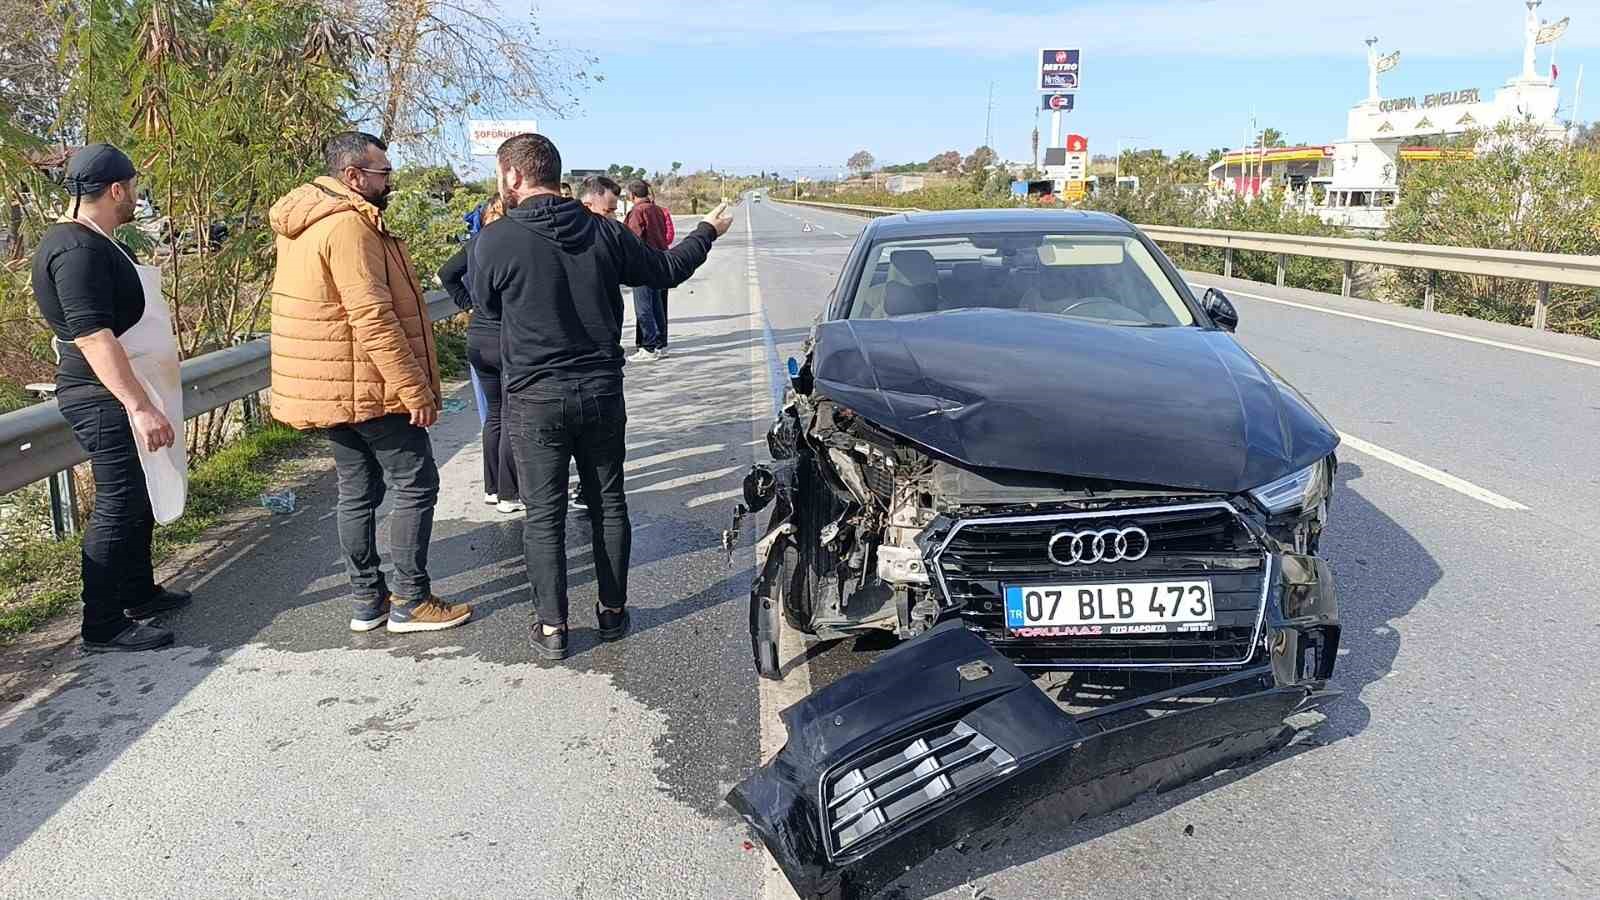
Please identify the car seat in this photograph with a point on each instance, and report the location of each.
(913, 285)
(967, 288)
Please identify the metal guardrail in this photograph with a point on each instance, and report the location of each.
(1544, 269)
(36, 442)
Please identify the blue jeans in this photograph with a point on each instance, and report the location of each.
(650, 314)
(552, 423)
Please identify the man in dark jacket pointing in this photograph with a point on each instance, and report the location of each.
(553, 271)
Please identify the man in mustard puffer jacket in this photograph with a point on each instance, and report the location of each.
(353, 353)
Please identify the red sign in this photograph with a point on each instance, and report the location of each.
(1061, 56)
(1077, 143)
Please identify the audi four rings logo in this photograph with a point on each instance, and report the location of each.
(1071, 548)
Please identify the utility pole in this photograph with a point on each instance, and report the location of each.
(988, 120)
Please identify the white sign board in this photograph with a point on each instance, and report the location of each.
(486, 135)
(1077, 166)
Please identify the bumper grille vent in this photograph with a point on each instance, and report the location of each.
(895, 782)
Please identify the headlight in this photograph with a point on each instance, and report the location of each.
(1300, 490)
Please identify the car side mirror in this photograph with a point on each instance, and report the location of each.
(1220, 309)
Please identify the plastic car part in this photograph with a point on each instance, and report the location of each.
(942, 736)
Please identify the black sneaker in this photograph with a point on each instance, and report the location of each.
(613, 622)
(133, 639)
(370, 614)
(163, 600)
(575, 501)
(549, 646)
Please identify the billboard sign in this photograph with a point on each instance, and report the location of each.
(1077, 143)
(1057, 102)
(484, 136)
(1058, 70)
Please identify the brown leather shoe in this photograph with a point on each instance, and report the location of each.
(431, 614)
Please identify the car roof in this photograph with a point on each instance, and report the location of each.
(966, 221)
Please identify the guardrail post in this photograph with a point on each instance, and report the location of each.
(1282, 265)
(1349, 273)
(251, 411)
(1227, 262)
(1541, 309)
(1427, 292)
(63, 492)
(63, 504)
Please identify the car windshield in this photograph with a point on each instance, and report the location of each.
(1106, 278)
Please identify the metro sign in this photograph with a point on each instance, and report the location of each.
(1058, 70)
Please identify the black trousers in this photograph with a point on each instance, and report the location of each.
(366, 454)
(499, 469)
(551, 424)
(117, 571)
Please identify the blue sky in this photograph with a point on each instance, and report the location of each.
(787, 85)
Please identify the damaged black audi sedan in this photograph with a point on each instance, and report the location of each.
(1024, 421)
(1018, 441)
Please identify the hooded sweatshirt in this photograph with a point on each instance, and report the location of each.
(552, 273)
(351, 338)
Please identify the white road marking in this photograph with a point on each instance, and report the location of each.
(719, 497)
(656, 459)
(773, 696)
(672, 484)
(1459, 485)
(1487, 342)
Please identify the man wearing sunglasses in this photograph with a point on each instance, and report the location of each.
(353, 354)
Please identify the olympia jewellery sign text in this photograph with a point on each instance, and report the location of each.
(1446, 98)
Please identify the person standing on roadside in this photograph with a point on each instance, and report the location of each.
(601, 195)
(483, 354)
(647, 222)
(353, 353)
(94, 297)
(554, 271)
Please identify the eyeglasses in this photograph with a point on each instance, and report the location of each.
(384, 172)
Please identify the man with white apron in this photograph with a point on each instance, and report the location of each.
(117, 385)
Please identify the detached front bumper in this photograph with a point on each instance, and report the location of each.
(944, 736)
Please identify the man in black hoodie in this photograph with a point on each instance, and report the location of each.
(553, 272)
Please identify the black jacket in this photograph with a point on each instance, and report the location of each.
(454, 276)
(551, 272)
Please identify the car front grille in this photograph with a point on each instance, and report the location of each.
(889, 784)
(982, 556)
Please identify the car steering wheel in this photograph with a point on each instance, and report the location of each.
(1107, 301)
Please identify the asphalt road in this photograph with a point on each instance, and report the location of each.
(274, 753)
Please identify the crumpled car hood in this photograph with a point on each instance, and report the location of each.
(1175, 407)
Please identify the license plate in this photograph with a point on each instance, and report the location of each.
(1139, 607)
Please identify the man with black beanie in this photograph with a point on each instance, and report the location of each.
(90, 293)
(553, 271)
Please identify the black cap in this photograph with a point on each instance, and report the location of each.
(97, 167)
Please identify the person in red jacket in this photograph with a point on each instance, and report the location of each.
(648, 223)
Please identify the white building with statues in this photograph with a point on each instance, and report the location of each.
(1354, 181)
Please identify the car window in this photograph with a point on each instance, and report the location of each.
(1101, 277)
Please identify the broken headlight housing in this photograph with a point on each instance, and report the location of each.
(1302, 490)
